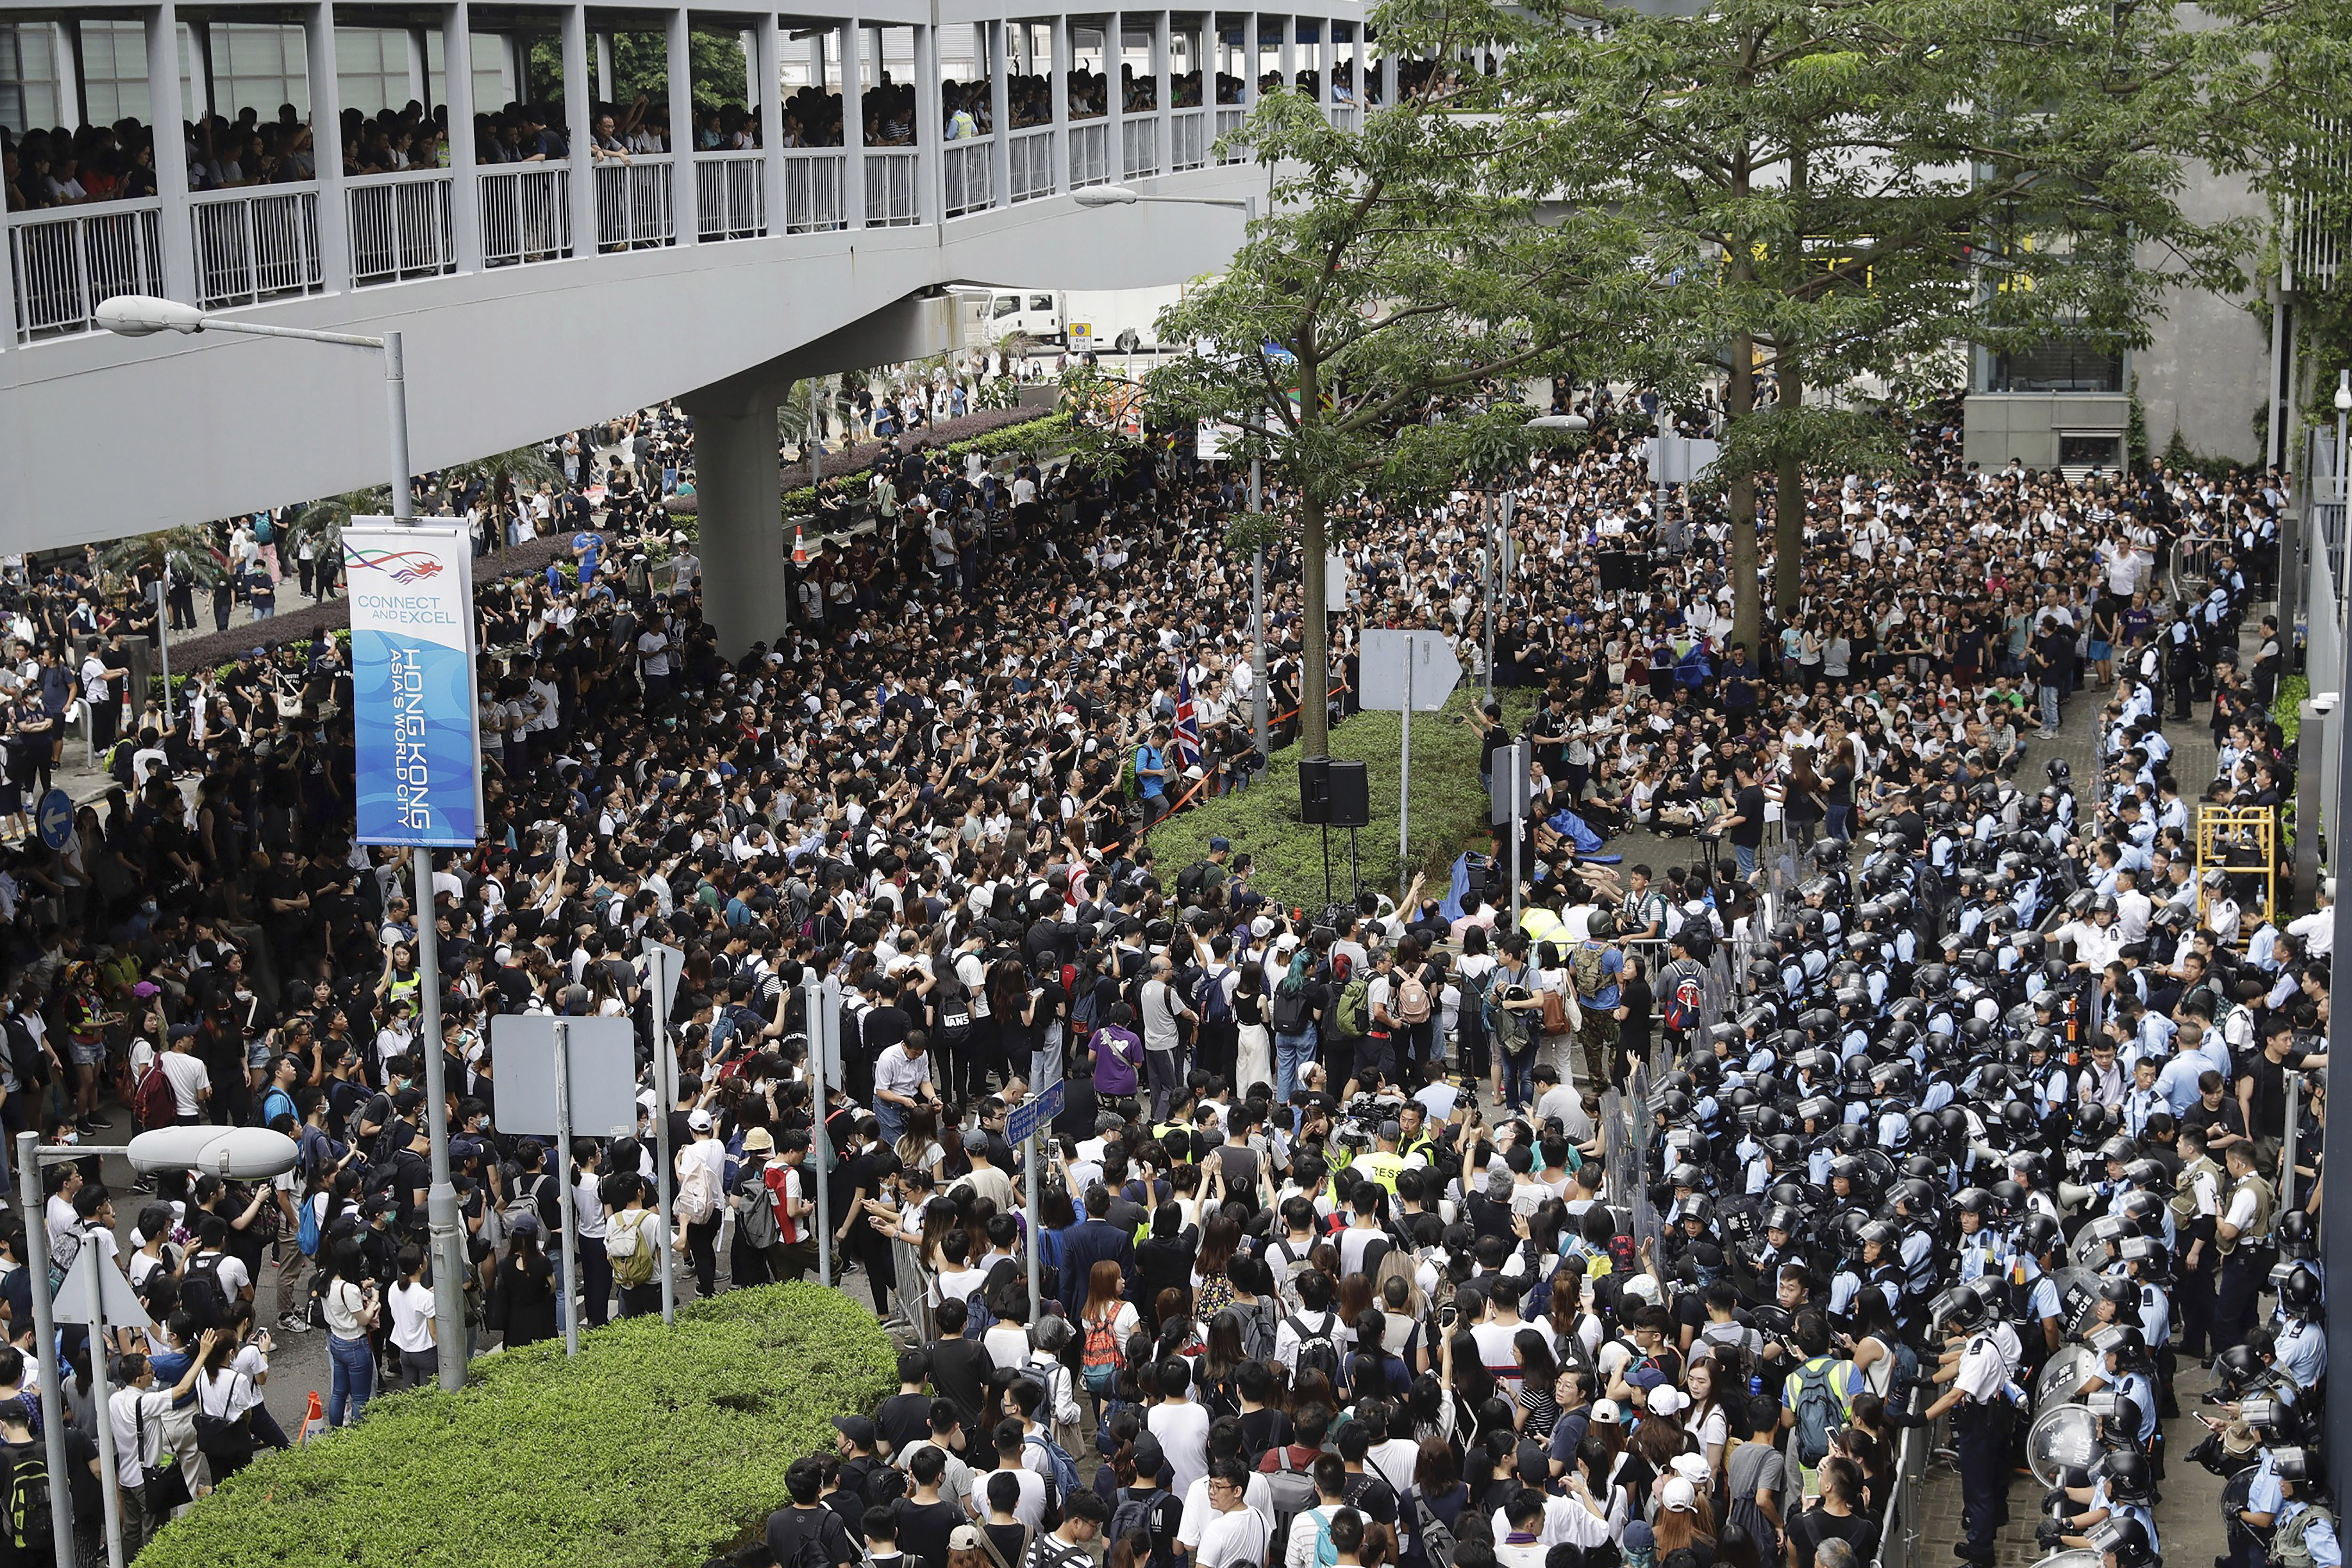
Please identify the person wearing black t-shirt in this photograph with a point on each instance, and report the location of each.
(1744, 826)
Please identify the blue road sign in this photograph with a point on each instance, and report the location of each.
(1023, 1121)
(57, 818)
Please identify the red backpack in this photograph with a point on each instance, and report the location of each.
(157, 1104)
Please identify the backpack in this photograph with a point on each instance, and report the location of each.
(156, 1104)
(1818, 1411)
(633, 1265)
(698, 1198)
(201, 1295)
(1437, 1541)
(1409, 1004)
(955, 1010)
(755, 1213)
(521, 1200)
(1191, 879)
(1102, 1360)
(306, 1234)
(1352, 1016)
(1586, 965)
(29, 1525)
(1209, 998)
(1290, 1006)
(1507, 1027)
(1061, 1470)
(1293, 1491)
(1682, 1011)
(1318, 1352)
(1145, 1514)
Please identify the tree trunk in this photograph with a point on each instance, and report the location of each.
(1739, 503)
(1314, 654)
(1789, 499)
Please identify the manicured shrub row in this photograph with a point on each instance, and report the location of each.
(652, 1449)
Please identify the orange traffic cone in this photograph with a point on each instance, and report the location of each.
(314, 1420)
(800, 550)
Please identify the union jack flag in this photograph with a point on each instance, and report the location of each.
(1188, 723)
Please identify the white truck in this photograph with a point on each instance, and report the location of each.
(1124, 321)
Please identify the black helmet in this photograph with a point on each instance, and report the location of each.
(1783, 1217)
(1786, 1149)
(2119, 1410)
(2119, 1150)
(2120, 1535)
(2028, 1166)
(2007, 1197)
(2130, 1479)
(2294, 1233)
(2037, 1234)
(2125, 1342)
(1971, 1200)
(2299, 1293)
(2019, 1118)
(2057, 771)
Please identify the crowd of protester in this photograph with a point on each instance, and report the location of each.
(1341, 1264)
(43, 167)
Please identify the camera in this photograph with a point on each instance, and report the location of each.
(2323, 702)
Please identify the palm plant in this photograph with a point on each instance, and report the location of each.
(506, 476)
(189, 551)
(321, 523)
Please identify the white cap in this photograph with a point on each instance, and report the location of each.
(1678, 1496)
(1665, 1401)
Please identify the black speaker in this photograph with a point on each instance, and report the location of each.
(1352, 795)
(1314, 790)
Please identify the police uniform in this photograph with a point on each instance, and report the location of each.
(2300, 1519)
(1980, 1429)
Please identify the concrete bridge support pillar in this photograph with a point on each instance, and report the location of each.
(746, 595)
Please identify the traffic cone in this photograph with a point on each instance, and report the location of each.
(800, 551)
(314, 1420)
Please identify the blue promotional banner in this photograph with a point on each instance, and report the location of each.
(412, 594)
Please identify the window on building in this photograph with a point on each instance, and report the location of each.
(2058, 367)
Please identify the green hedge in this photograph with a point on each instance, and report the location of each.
(653, 1449)
(1449, 808)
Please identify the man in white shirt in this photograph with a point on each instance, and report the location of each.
(1236, 1535)
(1182, 1424)
(192, 1086)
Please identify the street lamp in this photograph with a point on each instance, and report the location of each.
(232, 1154)
(144, 315)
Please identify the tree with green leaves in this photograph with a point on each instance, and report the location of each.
(190, 550)
(506, 478)
(321, 523)
(1873, 181)
(1371, 329)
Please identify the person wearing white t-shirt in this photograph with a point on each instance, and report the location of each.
(192, 1085)
(412, 1322)
(1182, 1424)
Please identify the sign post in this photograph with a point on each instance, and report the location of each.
(1022, 1124)
(563, 1142)
(821, 1001)
(1403, 672)
(556, 1074)
(1404, 777)
(419, 777)
(32, 1201)
(666, 964)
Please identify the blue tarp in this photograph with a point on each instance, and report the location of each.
(1458, 885)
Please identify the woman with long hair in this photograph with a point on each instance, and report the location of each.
(1212, 1287)
(522, 1301)
(1254, 1040)
(1678, 1525)
(1539, 1404)
(1706, 1420)
(1221, 1359)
